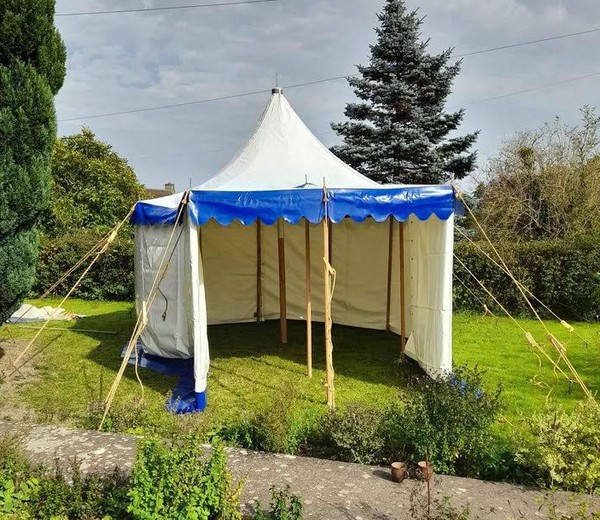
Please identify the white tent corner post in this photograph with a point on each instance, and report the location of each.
(198, 318)
(327, 272)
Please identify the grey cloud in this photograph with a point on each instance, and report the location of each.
(120, 62)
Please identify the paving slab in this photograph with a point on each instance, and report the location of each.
(328, 489)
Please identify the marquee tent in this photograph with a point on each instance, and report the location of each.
(288, 231)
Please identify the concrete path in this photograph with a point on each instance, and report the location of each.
(329, 490)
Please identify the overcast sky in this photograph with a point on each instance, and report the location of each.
(119, 62)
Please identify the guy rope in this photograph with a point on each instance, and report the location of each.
(554, 342)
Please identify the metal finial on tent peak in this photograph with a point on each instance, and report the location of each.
(277, 90)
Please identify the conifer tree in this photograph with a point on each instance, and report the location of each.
(32, 70)
(398, 132)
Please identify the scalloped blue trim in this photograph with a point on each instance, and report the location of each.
(148, 214)
(400, 203)
(295, 204)
(247, 206)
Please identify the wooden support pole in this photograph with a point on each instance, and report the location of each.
(327, 302)
(389, 274)
(402, 289)
(330, 246)
(308, 299)
(282, 293)
(259, 310)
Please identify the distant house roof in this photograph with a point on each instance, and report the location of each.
(154, 193)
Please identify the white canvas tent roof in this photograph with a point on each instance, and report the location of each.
(226, 264)
(283, 153)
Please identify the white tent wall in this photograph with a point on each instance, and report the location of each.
(171, 336)
(428, 275)
(229, 262)
(359, 254)
(224, 264)
(177, 325)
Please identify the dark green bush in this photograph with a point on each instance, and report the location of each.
(447, 421)
(174, 480)
(78, 497)
(564, 275)
(563, 448)
(276, 428)
(111, 278)
(351, 434)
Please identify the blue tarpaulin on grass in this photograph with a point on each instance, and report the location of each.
(183, 399)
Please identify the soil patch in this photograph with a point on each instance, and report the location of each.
(11, 380)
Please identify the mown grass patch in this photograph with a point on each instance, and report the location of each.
(249, 368)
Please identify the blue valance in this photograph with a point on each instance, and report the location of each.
(400, 203)
(247, 206)
(294, 204)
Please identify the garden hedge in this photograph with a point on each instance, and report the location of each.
(565, 275)
(111, 278)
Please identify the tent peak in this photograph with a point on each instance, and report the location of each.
(276, 90)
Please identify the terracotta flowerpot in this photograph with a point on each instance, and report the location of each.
(426, 470)
(398, 471)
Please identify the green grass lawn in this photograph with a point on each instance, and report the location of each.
(249, 367)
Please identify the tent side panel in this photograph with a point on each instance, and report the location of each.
(429, 296)
(395, 310)
(197, 317)
(359, 256)
(167, 333)
(229, 260)
(295, 264)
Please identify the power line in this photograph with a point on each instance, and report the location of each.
(160, 107)
(165, 8)
(296, 85)
(528, 42)
(199, 101)
(525, 91)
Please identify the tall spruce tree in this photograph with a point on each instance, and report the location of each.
(32, 70)
(399, 131)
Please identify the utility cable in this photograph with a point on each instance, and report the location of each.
(524, 43)
(315, 82)
(164, 8)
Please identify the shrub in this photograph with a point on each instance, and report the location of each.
(13, 463)
(80, 497)
(284, 506)
(565, 275)
(111, 278)
(178, 480)
(276, 428)
(563, 448)
(351, 434)
(447, 421)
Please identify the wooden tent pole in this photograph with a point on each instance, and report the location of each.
(389, 274)
(308, 299)
(259, 310)
(330, 242)
(402, 290)
(282, 292)
(327, 305)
